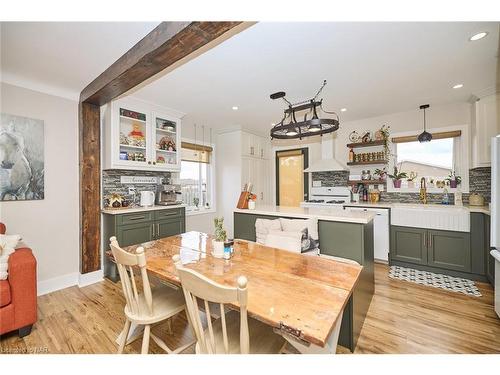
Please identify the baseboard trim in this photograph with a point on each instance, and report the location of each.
(85, 279)
(57, 283)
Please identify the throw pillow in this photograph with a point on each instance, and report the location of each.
(262, 228)
(312, 240)
(8, 245)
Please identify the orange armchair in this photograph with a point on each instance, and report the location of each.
(18, 309)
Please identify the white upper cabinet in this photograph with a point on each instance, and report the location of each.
(254, 146)
(485, 126)
(140, 136)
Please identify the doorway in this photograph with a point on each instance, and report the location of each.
(292, 183)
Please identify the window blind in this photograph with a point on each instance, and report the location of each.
(196, 153)
(441, 135)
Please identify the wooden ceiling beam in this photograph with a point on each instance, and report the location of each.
(167, 44)
(166, 47)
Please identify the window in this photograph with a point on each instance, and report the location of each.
(448, 151)
(195, 176)
(430, 159)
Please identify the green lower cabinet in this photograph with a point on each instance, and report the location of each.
(408, 244)
(433, 250)
(135, 228)
(449, 250)
(166, 228)
(134, 233)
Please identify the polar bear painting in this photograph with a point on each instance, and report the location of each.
(21, 158)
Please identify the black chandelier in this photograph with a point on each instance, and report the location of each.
(290, 128)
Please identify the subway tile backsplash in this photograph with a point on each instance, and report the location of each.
(111, 182)
(479, 182)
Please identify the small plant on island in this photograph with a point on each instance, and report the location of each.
(220, 233)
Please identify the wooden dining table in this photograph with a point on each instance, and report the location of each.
(299, 295)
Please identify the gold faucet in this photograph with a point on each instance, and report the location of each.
(423, 190)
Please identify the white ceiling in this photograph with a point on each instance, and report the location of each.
(371, 68)
(64, 57)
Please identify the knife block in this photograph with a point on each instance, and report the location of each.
(243, 201)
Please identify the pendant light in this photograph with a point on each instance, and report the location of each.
(424, 136)
(306, 128)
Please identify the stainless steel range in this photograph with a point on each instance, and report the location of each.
(328, 197)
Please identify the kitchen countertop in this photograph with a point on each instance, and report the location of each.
(327, 214)
(480, 209)
(129, 210)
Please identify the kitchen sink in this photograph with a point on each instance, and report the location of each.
(441, 217)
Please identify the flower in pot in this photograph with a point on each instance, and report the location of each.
(454, 180)
(220, 236)
(397, 176)
(381, 174)
(411, 179)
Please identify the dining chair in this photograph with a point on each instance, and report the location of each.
(234, 332)
(152, 306)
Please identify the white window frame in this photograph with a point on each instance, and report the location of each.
(210, 183)
(461, 160)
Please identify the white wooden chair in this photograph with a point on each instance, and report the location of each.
(149, 307)
(234, 332)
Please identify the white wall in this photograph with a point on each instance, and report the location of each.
(49, 226)
(201, 222)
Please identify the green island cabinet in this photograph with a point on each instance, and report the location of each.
(347, 240)
(460, 254)
(139, 227)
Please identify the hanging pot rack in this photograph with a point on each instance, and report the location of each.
(290, 128)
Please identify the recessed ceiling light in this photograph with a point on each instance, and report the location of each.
(458, 86)
(478, 36)
(343, 110)
(235, 108)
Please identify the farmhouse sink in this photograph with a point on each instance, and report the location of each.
(450, 218)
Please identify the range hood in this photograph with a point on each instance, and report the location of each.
(327, 161)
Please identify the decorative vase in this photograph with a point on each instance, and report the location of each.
(453, 184)
(411, 184)
(396, 183)
(218, 249)
(251, 204)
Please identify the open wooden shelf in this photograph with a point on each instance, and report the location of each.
(367, 162)
(367, 182)
(366, 144)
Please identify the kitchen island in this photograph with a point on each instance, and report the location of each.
(342, 234)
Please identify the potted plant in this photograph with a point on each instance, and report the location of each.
(454, 180)
(381, 173)
(397, 176)
(220, 236)
(411, 179)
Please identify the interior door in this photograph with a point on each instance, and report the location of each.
(291, 183)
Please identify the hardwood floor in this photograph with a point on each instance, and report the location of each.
(403, 318)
